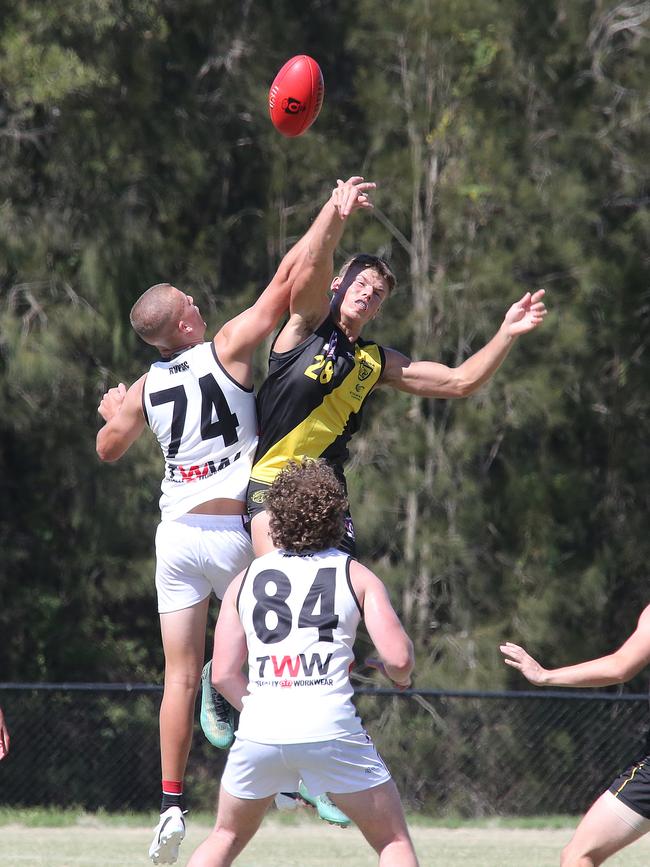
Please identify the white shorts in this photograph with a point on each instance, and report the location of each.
(197, 555)
(346, 764)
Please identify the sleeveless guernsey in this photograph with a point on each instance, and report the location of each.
(300, 616)
(310, 404)
(206, 426)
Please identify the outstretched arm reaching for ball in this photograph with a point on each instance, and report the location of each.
(614, 668)
(309, 303)
(305, 271)
(432, 379)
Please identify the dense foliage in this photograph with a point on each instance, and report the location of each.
(509, 142)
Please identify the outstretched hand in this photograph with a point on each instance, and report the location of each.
(351, 195)
(518, 658)
(111, 402)
(525, 314)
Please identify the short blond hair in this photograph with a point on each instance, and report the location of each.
(154, 311)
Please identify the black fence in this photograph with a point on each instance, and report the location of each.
(95, 746)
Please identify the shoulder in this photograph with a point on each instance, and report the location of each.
(395, 363)
(300, 331)
(363, 580)
(135, 391)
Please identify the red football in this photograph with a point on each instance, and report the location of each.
(296, 95)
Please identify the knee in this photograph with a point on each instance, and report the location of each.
(230, 842)
(572, 858)
(185, 676)
(399, 852)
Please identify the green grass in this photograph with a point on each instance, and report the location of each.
(47, 838)
(51, 817)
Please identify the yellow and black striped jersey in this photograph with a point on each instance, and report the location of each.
(310, 404)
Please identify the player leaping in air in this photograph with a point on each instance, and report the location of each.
(321, 372)
(198, 400)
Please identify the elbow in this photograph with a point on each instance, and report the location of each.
(105, 453)
(621, 671)
(402, 660)
(102, 452)
(218, 681)
(222, 680)
(465, 388)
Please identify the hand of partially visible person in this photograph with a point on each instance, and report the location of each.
(4, 736)
(518, 658)
(348, 196)
(379, 666)
(525, 314)
(111, 402)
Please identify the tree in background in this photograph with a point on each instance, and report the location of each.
(509, 145)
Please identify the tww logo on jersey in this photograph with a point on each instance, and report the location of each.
(179, 473)
(289, 669)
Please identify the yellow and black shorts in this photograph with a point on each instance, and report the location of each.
(632, 787)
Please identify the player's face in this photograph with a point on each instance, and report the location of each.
(191, 315)
(361, 293)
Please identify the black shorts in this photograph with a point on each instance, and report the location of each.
(632, 787)
(256, 495)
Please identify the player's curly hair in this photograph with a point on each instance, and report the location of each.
(306, 505)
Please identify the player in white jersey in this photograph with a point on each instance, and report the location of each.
(199, 402)
(294, 613)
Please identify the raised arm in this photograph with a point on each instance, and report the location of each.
(394, 646)
(432, 379)
(310, 293)
(616, 667)
(229, 651)
(122, 411)
(307, 265)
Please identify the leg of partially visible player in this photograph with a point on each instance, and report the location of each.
(237, 821)
(379, 815)
(183, 639)
(608, 826)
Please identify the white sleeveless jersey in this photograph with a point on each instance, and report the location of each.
(300, 616)
(206, 425)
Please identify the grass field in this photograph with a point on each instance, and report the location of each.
(32, 839)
